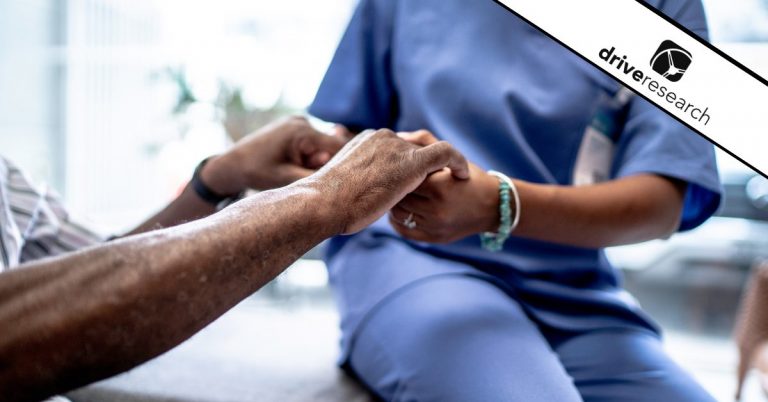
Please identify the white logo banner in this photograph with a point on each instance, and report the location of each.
(659, 60)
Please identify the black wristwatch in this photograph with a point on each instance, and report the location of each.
(205, 193)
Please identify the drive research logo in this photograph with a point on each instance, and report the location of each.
(671, 61)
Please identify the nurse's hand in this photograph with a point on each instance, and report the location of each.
(374, 171)
(443, 209)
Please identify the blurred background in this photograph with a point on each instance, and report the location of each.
(113, 102)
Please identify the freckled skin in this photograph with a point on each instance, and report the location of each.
(71, 320)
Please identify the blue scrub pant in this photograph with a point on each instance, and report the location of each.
(462, 338)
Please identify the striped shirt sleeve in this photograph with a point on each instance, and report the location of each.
(34, 222)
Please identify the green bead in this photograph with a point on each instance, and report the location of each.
(495, 241)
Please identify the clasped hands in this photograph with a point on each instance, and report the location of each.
(443, 208)
(445, 205)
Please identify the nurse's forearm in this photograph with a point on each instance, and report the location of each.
(624, 211)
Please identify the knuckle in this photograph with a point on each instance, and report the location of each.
(439, 151)
(409, 153)
(384, 133)
(443, 146)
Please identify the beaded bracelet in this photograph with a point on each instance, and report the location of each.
(495, 241)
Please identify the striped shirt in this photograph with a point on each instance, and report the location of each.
(33, 222)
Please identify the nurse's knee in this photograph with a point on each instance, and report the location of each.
(451, 308)
(457, 338)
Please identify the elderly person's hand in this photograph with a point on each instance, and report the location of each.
(134, 298)
(443, 209)
(377, 169)
(272, 157)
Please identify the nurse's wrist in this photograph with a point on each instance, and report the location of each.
(493, 218)
(491, 211)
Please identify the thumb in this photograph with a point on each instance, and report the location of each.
(441, 154)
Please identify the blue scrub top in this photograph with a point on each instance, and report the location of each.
(512, 100)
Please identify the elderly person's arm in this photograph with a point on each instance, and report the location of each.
(274, 156)
(75, 319)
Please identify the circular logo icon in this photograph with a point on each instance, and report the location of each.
(671, 61)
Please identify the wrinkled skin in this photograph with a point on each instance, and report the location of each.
(77, 318)
(378, 168)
